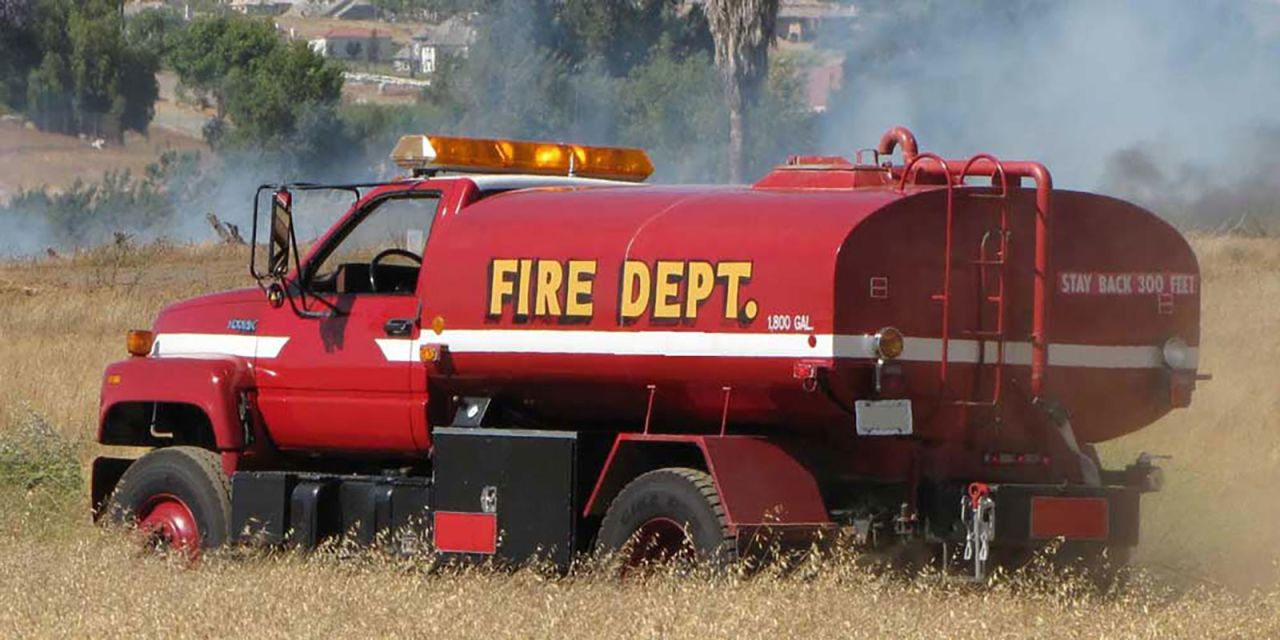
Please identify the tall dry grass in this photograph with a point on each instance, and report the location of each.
(1210, 543)
(1219, 517)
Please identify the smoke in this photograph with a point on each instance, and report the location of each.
(1171, 105)
(174, 197)
(1166, 103)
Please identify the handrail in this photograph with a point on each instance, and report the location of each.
(998, 168)
(945, 296)
(1044, 201)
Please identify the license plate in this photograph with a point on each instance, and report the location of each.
(882, 417)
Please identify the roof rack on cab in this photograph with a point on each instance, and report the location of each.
(427, 155)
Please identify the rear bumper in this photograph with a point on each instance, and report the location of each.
(1038, 514)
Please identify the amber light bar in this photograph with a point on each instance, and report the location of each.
(444, 153)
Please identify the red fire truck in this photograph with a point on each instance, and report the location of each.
(521, 350)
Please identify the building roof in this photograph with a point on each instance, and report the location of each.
(450, 33)
(355, 32)
(816, 9)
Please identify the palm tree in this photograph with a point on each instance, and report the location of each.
(742, 30)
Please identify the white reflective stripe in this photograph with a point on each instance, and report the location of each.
(686, 344)
(1092, 356)
(1114, 357)
(963, 351)
(398, 349)
(767, 345)
(634, 343)
(230, 344)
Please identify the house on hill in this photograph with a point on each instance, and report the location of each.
(261, 7)
(803, 20)
(354, 44)
(430, 45)
(352, 10)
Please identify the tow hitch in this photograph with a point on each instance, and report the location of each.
(978, 513)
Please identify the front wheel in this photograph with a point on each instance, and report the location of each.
(667, 515)
(177, 497)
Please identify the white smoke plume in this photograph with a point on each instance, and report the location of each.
(1096, 89)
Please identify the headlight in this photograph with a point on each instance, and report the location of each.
(1176, 353)
(888, 343)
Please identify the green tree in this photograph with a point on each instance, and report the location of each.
(19, 50)
(672, 108)
(266, 99)
(72, 67)
(621, 34)
(155, 30)
(206, 53)
(96, 52)
(48, 100)
(258, 82)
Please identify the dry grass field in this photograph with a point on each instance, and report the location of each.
(1209, 561)
(30, 159)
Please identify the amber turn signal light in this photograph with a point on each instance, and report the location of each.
(889, 343)
(139, 342)
(431, 352)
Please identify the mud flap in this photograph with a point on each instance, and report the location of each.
(105, 474)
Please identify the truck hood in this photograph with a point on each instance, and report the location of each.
(227, 312)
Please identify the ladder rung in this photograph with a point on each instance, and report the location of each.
(984, 334)
(988, 263)
(971, 403)
(990, 196)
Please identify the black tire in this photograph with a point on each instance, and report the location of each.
(684, 497)
(191, 475)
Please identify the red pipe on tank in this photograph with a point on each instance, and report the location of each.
(899, 137)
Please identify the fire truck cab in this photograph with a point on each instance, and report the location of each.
(520, 351)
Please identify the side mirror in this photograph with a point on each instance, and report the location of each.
(281, 233)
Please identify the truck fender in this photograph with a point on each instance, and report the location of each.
(205, 393)
(760, 484)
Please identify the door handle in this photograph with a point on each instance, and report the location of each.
(399, 327)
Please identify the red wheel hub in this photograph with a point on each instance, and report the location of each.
(659, 540)
(165, 520)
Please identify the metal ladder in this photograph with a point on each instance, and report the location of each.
(998, 260)
(1001, 263)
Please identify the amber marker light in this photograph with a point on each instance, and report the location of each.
(430, 352)
(139, 342)
(889, 343)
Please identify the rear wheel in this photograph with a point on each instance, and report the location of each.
(668, 515)
(177, 498)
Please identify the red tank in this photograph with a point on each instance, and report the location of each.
(756, 309)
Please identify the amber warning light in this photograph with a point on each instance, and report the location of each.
(425, 153)
(139, 342)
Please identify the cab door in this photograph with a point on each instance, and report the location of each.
(342, 381)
